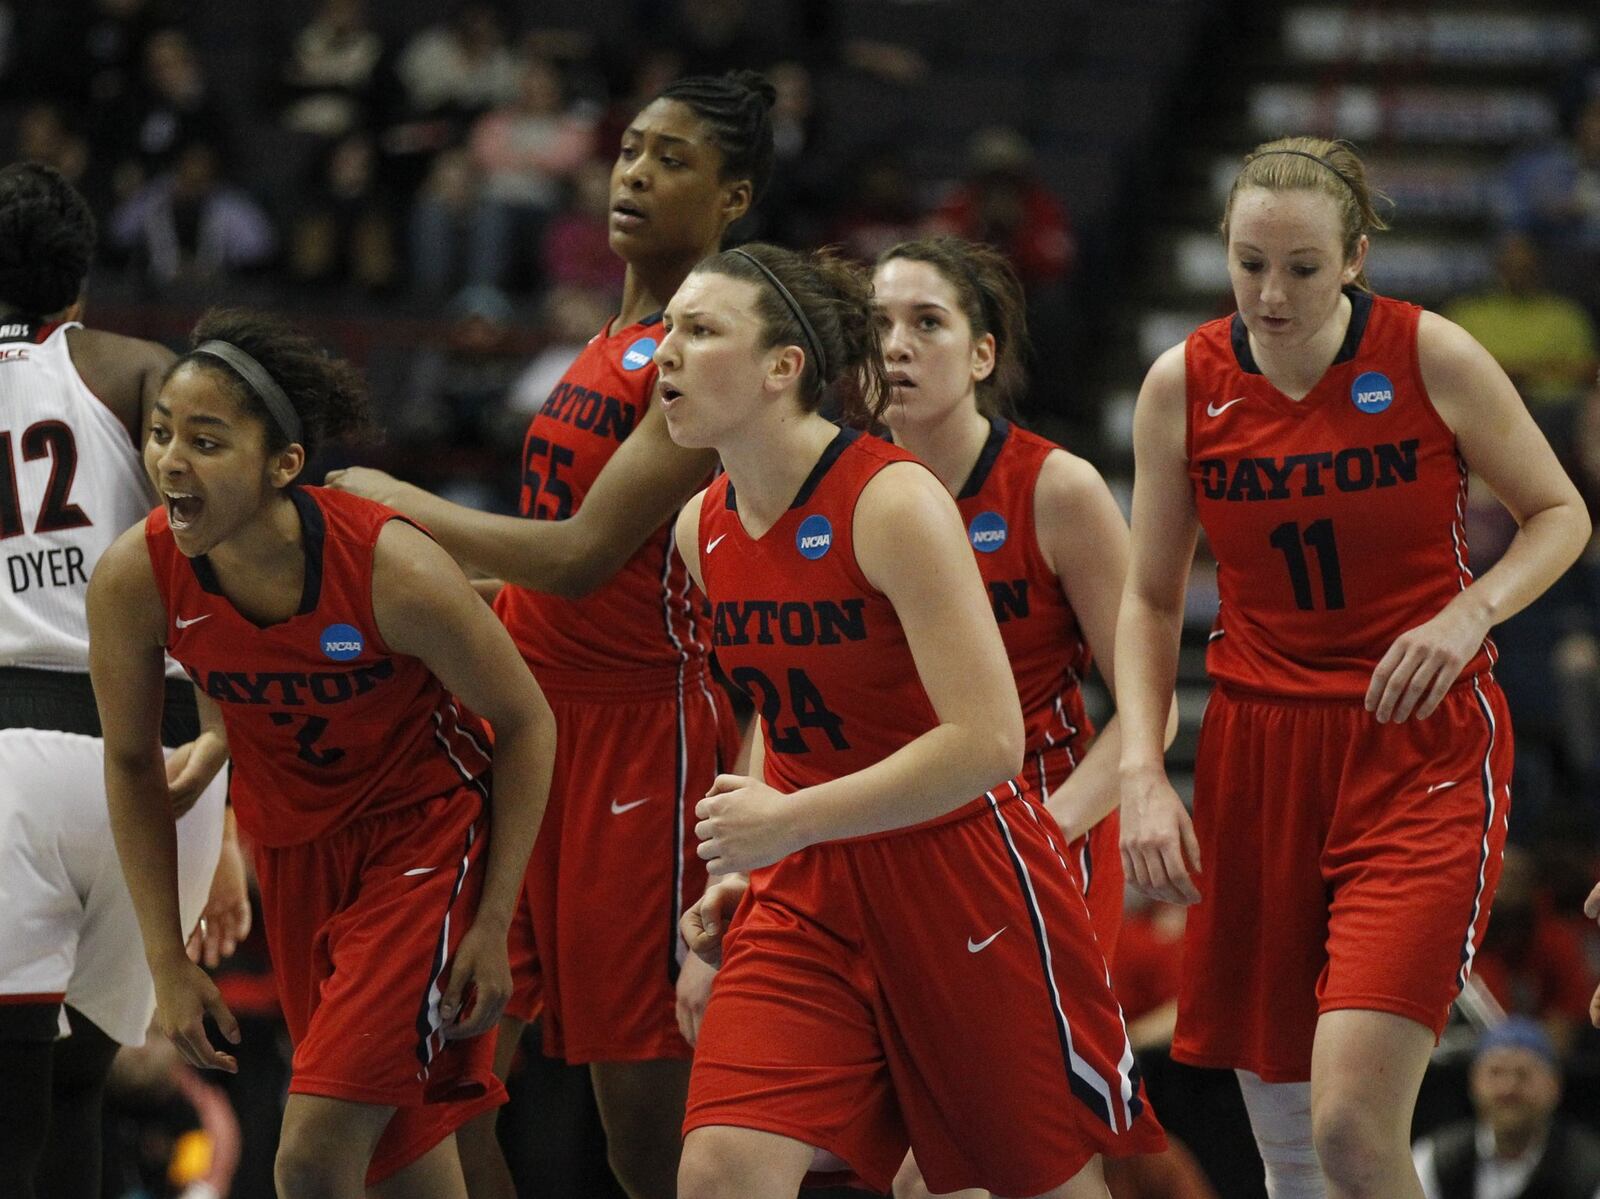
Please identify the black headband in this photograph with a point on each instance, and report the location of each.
(1343, 178)
(263, 384)
(799, 314)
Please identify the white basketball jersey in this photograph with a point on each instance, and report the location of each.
(70, 482)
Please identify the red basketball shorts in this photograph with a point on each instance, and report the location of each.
(362, 925)
(937, 987)
(1347, 864)
(615, 867)
(1096, 860)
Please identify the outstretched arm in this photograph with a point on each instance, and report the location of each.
(638, 490)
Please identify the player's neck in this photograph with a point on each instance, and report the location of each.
(769, 465)
(1297, 369)
(950, 446)
(647, 286)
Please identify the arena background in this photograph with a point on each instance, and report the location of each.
(337, 161)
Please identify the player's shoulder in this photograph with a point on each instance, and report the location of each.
(120, 371)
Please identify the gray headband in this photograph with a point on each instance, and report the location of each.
(812, 342)
(1343, 178)
(260, 382)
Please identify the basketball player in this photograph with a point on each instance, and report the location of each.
(72, 408)
(598, 601)
(1049, 541)
(897, 885)
(1353, 772)
(348, 654)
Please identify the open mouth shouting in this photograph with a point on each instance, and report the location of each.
(183, 509)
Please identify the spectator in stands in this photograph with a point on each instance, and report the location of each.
(44, 136)
(1531, 962)
(709, 36)
(172, 110)
(1516, 1146)
(440, 218)
(1576, 659)
(577, 248)
(1001, 201)
(883, 208)
(1543, 340)
(571, 315)
(1551, 194)
(461, 68)
(191, 226)
(526, 152)
(346, 234)
(330, 71)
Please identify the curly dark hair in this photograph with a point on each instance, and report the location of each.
(47, 239)
(328, 393)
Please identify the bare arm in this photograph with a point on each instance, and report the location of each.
(1500, 442)
(638, 490)
(1085, 541)
(124, 373)
(426, 608)
(1158, 845)
(127, 623)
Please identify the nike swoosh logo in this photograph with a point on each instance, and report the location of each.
(713, 543)
(1214, 409)
(1440, 787)
(183, 624)
(980, 946)
(421, 870)
(618, 809)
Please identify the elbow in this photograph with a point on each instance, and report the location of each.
(580, 575)
(1005, 747)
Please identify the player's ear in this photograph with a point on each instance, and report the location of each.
(286, 465)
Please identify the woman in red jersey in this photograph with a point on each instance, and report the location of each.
(1353, 772)
(349, 655)
(911, 959)
(599, 603)
(1049, 541)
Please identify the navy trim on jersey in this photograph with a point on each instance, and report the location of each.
(999, 431)
(314, 530)
(841, 442)
(1097, 1100)
(430, 1026)
(1360, 313)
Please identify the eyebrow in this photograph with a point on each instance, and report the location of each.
(162, 410)
(1244, 245)
(632, 131)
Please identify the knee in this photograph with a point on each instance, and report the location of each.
(643, 1169)
(1353, 1146)
(306, 1171)
(706, 1173)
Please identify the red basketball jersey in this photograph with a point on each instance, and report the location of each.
(1337, 521)
(641, 619)
(796, 625)
(325, 723)
(1046, 647)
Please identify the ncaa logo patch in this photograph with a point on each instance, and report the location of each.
(341, 642)
(637, 356)
(814, 537)
(1372, 392)
(987, 532)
